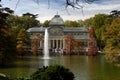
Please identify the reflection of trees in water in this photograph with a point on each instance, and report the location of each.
(99, 69)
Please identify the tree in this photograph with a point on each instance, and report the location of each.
(35, 42)
(22, 42)
(71, 24)
(30, 15)
(73, 3)
(54, 72)
(98, 22)
(99, 26)
(80, 23)
(114, 13)
(88, 22)
(76, 3)
(22, 22)
(46, 23)
(112, 38)
(7, 40)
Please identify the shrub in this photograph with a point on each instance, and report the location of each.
(55, 72)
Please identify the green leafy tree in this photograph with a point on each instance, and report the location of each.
(55, 72)
(88, 22)
(98, 22)
(46, 23)
(81, 23)
(108, 22)
(23, 21)
(69, 23)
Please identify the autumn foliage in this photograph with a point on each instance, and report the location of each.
(35, 42)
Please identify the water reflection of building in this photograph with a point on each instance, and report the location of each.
(62, 39)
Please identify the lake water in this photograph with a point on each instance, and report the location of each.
(83, 67)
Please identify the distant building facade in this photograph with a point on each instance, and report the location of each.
(65, 40)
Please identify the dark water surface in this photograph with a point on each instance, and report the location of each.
(83, 67)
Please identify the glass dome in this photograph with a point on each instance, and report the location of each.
(57, 20)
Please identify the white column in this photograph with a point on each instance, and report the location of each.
(61, 44)
(41, 44)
